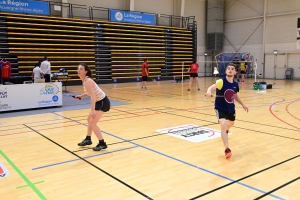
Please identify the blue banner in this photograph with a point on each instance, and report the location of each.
(25, 6)
(131, 17)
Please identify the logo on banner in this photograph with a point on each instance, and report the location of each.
(132, 17)
(25, 6)
(4, 107)
(3, 94)
(49, 89)
(55, 98)
(119, 16)
(191, 133)
(3, 171)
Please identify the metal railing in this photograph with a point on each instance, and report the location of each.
(67, 10)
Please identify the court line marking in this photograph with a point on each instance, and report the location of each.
(270, 109)
(189, 164)
(221, 187)
(108, 174)
(68, 161)
(278, 188)
(78, 124)
(39, 123)
(189, 110)
(287, 109)
(234, 126)
(29, 183)
(159, 134)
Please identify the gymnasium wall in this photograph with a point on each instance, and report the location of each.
(243, 28)
(113, 4)
(155, 6)
(242, 21)
(197, 8)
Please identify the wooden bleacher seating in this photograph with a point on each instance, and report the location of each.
(112, 50)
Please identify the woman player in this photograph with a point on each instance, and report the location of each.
(193, 69)
(99, 104)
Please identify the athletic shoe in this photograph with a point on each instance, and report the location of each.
(228, 153)
(85, 142)
(100, 146)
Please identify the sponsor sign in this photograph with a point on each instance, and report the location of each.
(26, 96)
(25, 6)
(191, 133)
(131, 17)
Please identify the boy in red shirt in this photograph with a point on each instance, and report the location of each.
(193, 69)
(145, 73)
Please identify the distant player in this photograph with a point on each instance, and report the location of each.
(243, 68)
(145, 73)
(193, 69)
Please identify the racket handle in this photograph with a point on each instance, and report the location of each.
(75, 97)
(210, 95)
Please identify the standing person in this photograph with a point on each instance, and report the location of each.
(193, 69)
(226, 93)
(236, 62)
(99, 104)
(37, 73)
(243, 68)
(145, 73)
(46, 68)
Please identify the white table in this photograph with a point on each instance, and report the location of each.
(28, 96)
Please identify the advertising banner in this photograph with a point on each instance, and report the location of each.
(26, 96)
(25, 6)
(131, 17)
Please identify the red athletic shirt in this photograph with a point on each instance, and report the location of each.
(194, 68)
(145, 69)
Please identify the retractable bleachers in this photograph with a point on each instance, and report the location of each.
(65, 42)
(114, 51)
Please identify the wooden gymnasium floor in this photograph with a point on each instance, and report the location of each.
(41, 154)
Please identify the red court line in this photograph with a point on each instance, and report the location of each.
(270, 109)
(40, 130)
(76, 124)
(130, 117)
(287, 110)
(125, 111)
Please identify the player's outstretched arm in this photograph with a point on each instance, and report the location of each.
(237, 98)
(210, 89)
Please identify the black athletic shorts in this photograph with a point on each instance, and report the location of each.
(144, 78)
(225, 115)
(243, 72)
(194, 75)
(103, 105)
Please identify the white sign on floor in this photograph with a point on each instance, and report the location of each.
(191, 132)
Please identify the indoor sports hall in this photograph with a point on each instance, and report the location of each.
(162, 133)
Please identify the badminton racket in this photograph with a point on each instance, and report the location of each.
(71, 96)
